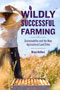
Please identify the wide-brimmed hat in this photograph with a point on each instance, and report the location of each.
(9, 16)
(8, 9)
(6, 12)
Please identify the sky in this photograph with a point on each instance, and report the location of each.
(36, 5)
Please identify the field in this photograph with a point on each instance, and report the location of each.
(34, 67)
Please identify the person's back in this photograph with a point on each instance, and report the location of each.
(8, 30)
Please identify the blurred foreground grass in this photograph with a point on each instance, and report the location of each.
(34, 67)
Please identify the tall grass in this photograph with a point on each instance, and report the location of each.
(34, 67)
(5, 70)
(44, 67)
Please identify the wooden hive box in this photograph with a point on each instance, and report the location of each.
(30, 84)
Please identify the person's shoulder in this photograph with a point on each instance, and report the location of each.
(12, 19)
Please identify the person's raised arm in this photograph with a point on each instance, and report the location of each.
(18, 24)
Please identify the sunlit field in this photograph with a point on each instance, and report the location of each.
(34, 67)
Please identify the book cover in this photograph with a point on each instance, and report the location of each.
(30, 44)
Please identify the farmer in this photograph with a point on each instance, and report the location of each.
(9, 26)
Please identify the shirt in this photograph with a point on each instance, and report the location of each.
(8, 38)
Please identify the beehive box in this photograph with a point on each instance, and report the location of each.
(30, 84)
